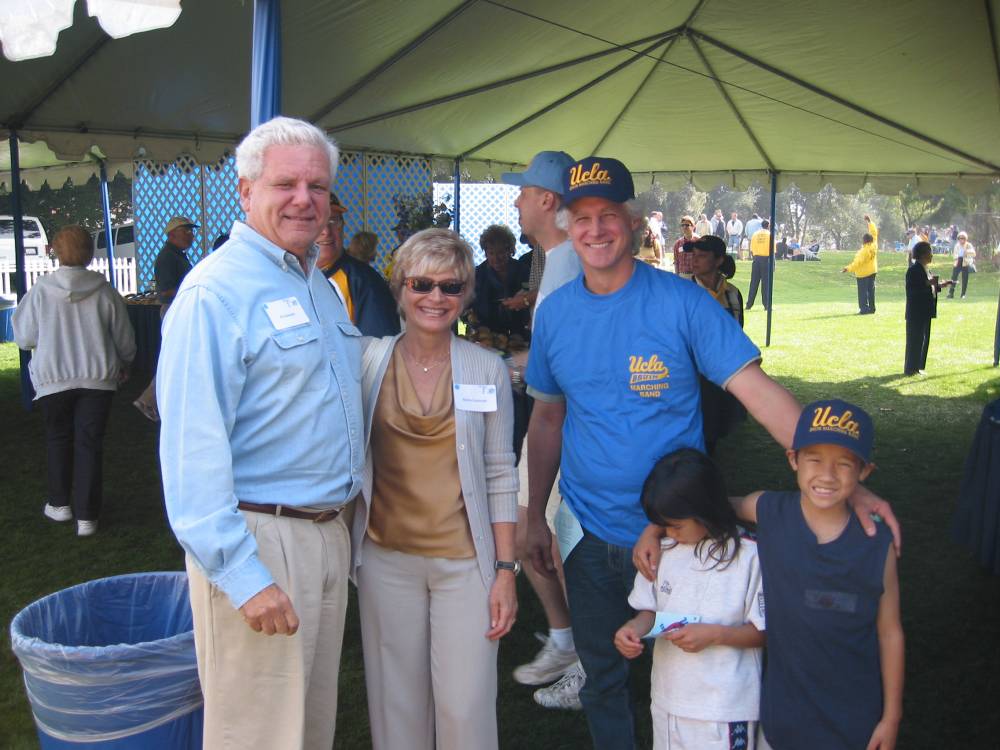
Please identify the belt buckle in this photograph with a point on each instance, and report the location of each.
(326, 515)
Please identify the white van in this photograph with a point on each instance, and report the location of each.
(36, 243)
(124, 235)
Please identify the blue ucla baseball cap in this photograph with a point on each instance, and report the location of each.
(598, 177)
(836, 422)
(545, 171)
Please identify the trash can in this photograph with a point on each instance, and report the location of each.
(111, 664)
(8, 304)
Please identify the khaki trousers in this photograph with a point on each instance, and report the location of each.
(276, 691)
(430, 671)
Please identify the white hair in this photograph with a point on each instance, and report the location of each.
(281, 131)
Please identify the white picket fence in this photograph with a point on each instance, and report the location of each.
(35, 268)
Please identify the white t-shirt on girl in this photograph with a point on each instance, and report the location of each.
(719, 683)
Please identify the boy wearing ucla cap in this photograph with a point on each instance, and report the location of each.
(834, 672)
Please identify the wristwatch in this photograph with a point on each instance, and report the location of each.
(514, 567)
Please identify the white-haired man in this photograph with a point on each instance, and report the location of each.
(261, 448)
(612, 397)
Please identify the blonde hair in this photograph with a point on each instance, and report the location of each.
(73, 246)
(363, 246)
(434, 251)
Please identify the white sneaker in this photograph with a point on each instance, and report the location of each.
(58, 512)
(86, 528)
(549, 664)
(565, 693)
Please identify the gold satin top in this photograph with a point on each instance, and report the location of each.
(417, 505)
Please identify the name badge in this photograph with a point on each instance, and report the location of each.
(475, 397)
(286, 313)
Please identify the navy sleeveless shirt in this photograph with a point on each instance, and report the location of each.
(822, 678)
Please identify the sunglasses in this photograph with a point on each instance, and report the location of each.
(685, 224)
(422, 285)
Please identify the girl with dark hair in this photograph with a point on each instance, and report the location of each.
(705, 610)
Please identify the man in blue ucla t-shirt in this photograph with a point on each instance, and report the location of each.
(614, 367)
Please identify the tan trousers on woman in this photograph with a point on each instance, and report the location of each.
(430, 671)
(276, 691)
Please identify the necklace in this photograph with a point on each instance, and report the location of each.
(425, 366)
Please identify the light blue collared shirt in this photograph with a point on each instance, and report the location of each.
(255, 407)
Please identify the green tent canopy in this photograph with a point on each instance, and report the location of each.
(707, 91)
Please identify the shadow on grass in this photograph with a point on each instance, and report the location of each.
(920, 447)
(831, 317)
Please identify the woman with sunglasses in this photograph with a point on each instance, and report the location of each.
(433, 538)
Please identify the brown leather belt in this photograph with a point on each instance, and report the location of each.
(316, 516)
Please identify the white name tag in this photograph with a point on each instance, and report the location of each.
(475, 397)
(286, 313)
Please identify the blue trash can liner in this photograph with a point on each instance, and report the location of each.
(112, 661)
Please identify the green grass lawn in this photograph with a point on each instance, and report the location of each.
(951, 608)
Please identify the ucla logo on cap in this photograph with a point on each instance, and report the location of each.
(824, 418)
(578, 176)
(598, 177)
(836, 422)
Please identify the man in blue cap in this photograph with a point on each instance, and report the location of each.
(537, 205)
(614, 394)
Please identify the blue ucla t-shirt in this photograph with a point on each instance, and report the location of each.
(627, 364)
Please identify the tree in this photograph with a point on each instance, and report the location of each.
(743, 202)
(796, 212)
(916, 208)
(688, 200)
(74, 204)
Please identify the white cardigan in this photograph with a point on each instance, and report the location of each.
(483, 445)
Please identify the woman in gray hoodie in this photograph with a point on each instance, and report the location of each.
(78, 328)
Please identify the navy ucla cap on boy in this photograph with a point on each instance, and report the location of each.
(598, 177)
(836, 422)
(545, 171)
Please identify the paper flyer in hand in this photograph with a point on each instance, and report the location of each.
(667, 621)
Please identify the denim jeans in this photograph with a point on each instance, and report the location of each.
(599, 578)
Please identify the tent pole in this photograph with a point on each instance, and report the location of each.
(457, 222)
(108, 233)
(265, 70)
(769, 297)
(20, 278)
(996, 339)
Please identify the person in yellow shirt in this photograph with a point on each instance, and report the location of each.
(872, 229)
(760, 250)
(864, 267)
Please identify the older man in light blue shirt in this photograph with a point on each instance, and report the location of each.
(261, 448)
